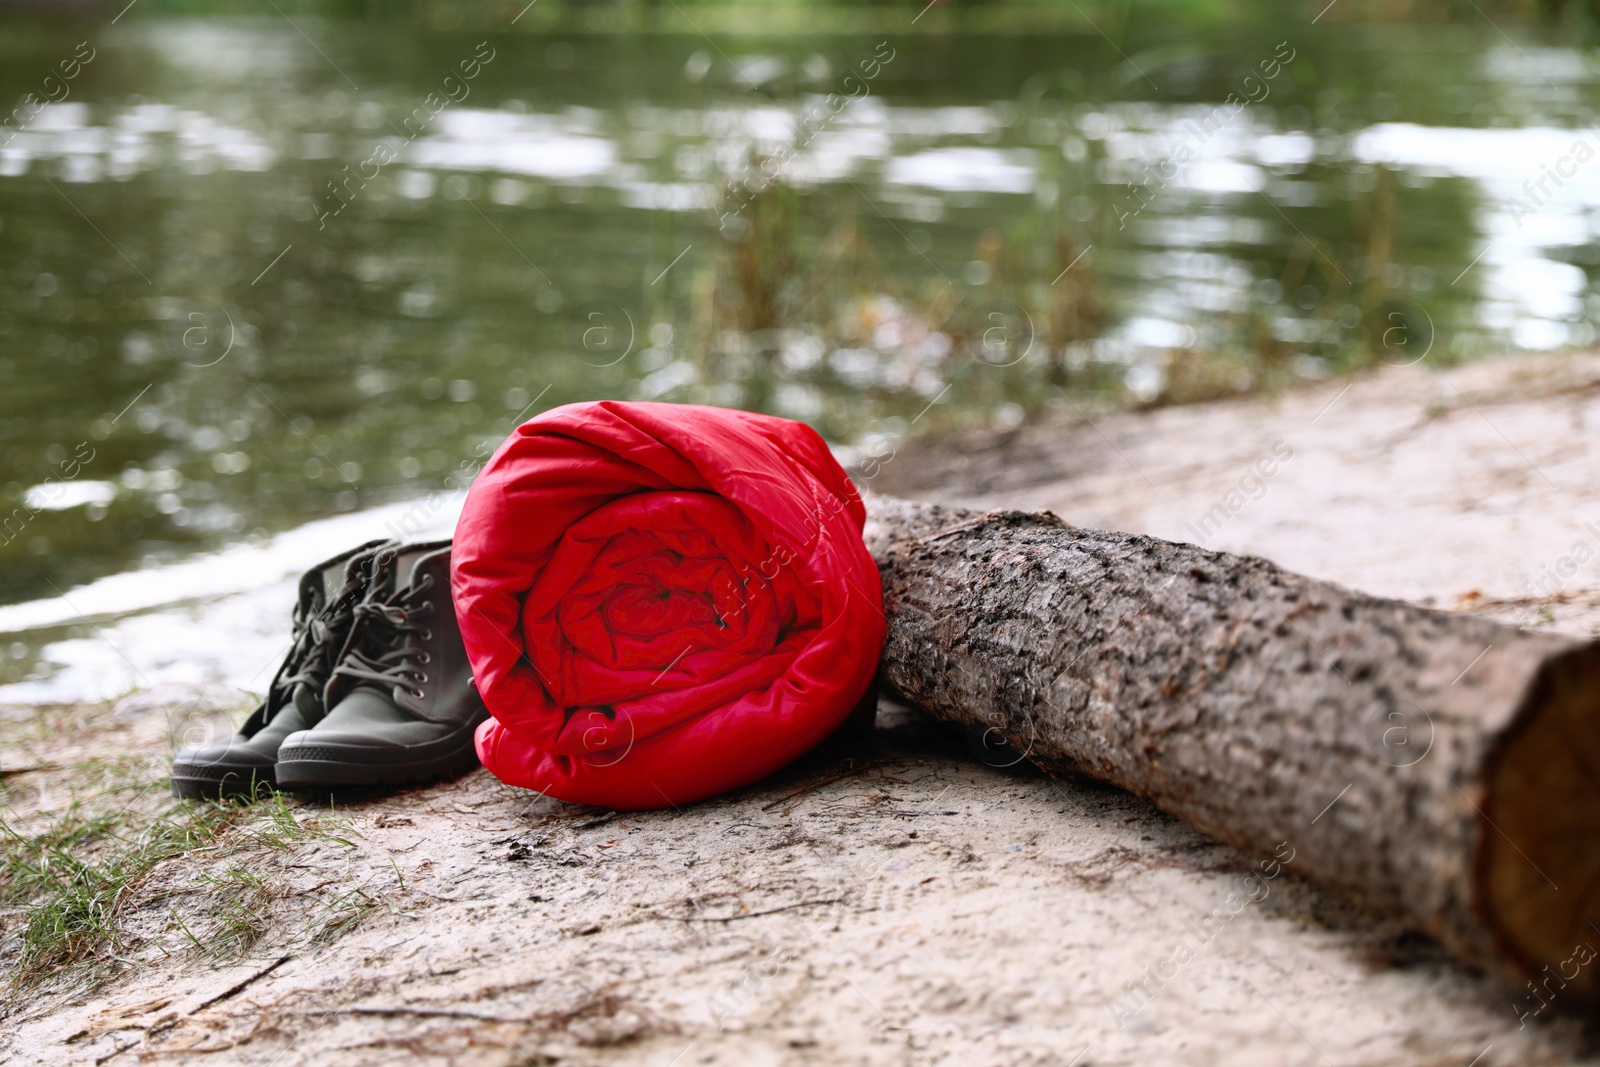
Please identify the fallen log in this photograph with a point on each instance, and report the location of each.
(1444, 769)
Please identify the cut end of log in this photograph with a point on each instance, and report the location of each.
(1539, 861)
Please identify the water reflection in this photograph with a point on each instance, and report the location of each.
(243, 284)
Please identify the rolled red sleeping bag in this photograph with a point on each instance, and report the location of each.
(662, 601)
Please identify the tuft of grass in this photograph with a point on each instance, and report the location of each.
(76, 876)
(76, 879)
(100, 869)
(347, 912)
(239, 908)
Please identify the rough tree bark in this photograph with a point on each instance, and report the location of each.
(1441, 768)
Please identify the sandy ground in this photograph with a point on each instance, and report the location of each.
(891, 900)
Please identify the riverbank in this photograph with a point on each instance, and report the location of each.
(891, 899)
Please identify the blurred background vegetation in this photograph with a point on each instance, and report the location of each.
(212, 286)
(834, 15)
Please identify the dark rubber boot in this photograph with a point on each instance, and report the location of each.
(401, 704)
(323, 615)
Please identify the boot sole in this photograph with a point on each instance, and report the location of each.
(213, 783)
(337, 773)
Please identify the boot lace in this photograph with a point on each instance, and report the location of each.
(391, 625)
(317, 638)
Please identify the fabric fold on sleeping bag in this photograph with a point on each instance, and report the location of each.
(662, 602)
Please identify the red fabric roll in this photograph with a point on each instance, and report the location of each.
(662, 601)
